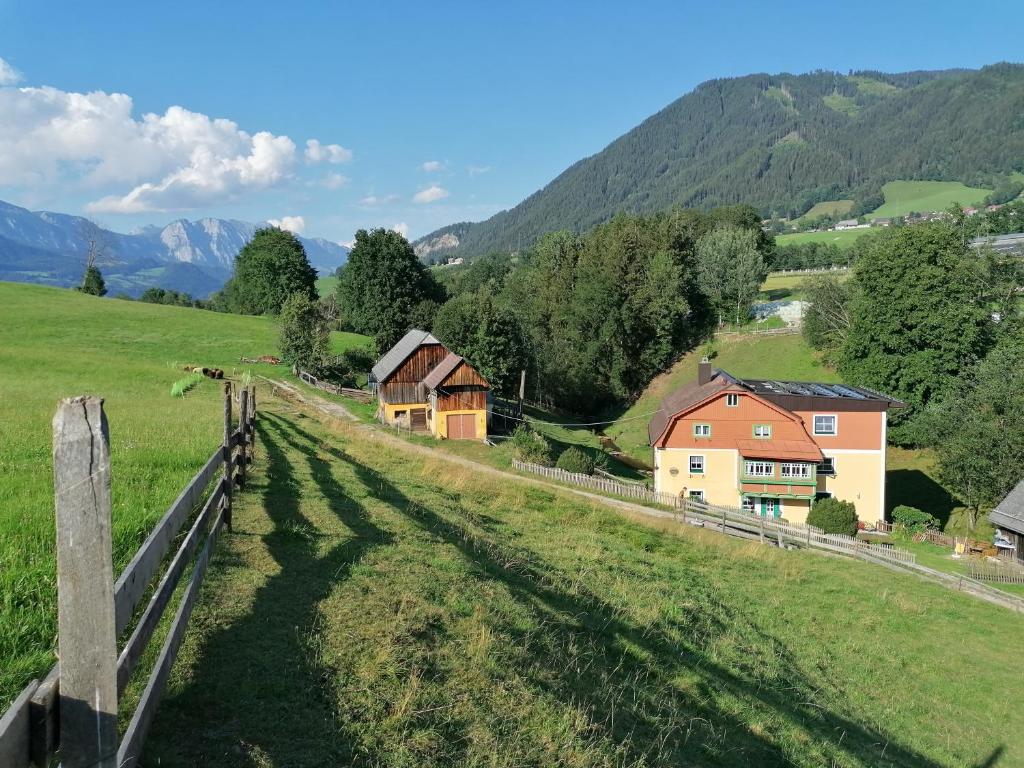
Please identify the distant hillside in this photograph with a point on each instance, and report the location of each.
(781, 143)
(191, 256)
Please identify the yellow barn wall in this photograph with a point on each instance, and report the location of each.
(439, 424)
(719, 480)
(860, 478)
(389, 409)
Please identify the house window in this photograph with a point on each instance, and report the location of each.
(822, 495)
(827, 466)
(759, 469)
(801, 471)
(748, 504)
(696, 496)
(702, 430)
(732, 400)
(824, 424)
(696, 465)
(762, 430)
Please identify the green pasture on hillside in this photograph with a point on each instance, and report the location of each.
(844, 238)
(382, 608)
(58, 343)
(326, 286)
(905, 197)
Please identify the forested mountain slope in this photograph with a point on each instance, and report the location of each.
(781, 143)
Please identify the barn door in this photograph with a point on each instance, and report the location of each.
(418, 419)
(462, 426)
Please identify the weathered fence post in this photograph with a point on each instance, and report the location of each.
(243, 415)
(226, 449)
(252, 418)
(87, 639)
(760, 519)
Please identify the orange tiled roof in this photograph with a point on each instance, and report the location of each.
(792, 450)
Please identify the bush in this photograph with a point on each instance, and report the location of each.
(530, 446)
(834, 516)
(576, 460)
(913, 519)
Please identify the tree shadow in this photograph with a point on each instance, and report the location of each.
(259, 684)
(625, 677)
(916, 489)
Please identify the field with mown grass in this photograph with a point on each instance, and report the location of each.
(844, 238)
(58, 343)
(905, 197)
(382, 608)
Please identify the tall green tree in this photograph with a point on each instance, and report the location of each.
(304, 331)
(92, 282)
(269, 268)
(978, 430)
(827, 319)
(732, 269)
(918, 318)
(382, 284)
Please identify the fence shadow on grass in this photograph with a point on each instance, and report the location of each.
(258, 687)
(627, 675)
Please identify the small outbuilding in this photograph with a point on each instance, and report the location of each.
(457, 395)
(1008, 517)
(398, 374)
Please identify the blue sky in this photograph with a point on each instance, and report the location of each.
(497, 99)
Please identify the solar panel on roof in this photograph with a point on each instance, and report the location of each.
(822, 390)
(848, 392)
(797, 388)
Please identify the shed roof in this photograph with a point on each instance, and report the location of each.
(1009, 513)
(441, 371)
(398, 354)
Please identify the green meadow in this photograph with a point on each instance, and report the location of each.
(905, 197)
(379, 607)
(58, 343)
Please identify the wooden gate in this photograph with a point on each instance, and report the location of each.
(418, 419)
(462, 426)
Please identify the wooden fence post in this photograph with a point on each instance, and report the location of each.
(243, 415)
(252, 419)
(226, 449)
(87, 638)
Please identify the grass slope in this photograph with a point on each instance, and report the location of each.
(844, 238)
(326, 286)
(59, 343)
(828, 208)
(382, 609)
(772, 357)
(904, 197)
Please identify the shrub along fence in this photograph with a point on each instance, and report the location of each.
(732, 519)
(72, 713)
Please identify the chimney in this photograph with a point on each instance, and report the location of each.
(704, 371)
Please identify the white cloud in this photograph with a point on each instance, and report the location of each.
(333, 181)
(432, 166)
(375, 200)
(331, 153)
(431, 194)
(476, 170)
(8, 74)
(401, 228)
(294, 224)
(174, 161)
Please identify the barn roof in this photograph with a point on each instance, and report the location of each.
(399, 353)
(442, 370)
(1009, 513)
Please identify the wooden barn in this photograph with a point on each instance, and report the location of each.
(457, 395)
(398, 375)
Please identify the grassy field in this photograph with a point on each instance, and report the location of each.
(844, 238)
(377, 608)
(904, 197)
(59, 343)
(772, 357)
(829, 208)
(325, 286)
(782, 286)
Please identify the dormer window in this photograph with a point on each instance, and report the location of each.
(702, 430)
(732, 400)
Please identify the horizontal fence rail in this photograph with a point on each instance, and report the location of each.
(361, 395)
(52, 717)
(731, 519)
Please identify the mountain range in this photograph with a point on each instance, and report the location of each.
(191, 256)
(780, 143)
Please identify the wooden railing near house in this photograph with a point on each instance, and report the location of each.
(732, 519)
(356, 394)
(72, 714)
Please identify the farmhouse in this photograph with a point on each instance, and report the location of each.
(772, 447)
(847, 224)
(424, 387)
(1008, 517)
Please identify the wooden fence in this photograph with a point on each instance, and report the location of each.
(733, 520)
(999, 572)
(72, 713)
(356, 394)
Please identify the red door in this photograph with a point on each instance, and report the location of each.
(462, 426)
